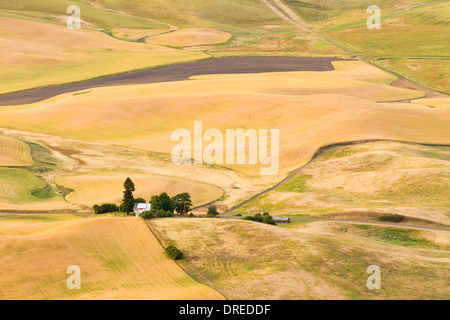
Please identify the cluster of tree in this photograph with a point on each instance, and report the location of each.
(105, 208)
(162, 202)
(264, 218)
(162, 205)
(181, 203)
(174, 253)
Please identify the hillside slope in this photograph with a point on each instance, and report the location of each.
(119, 258)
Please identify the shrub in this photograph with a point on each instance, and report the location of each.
(265, 218)
(392, 218)
(258, 217)
(152, 214)
(162, 213)
(174, 253)
(268, 219)
(212, 211)
(105, 208)
(147, 215)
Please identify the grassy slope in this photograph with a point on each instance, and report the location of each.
(434, 72)
(55, 12)
(26, 186)
(248, 260)
(336, 13)
(374, 177)
(407, 32)
(418, 33)
(21, 188)
(14, 152)
(209, 13)
(119, 258)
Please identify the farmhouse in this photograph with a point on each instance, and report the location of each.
(282, 219)
(141, 207)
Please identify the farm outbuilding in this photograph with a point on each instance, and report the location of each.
(282, 219)
(141, 207)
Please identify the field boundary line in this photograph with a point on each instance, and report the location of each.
(161, 240)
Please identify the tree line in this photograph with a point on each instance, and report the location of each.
(161, 205)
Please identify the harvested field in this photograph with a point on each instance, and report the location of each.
(14, 152)
(176, 73)
(311, 109)
(97, 188)
(119, 258)
(36, 54)
(190, 37)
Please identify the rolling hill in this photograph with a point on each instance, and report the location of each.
(119, 258)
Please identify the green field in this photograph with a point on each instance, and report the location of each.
(328, 14)
(209, 13)
(55, 11)
(406, 43)
(427, 72)
(20, 186)
(420, 32)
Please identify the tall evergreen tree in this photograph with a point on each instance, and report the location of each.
(128, 199)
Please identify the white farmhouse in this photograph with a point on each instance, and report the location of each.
(141, 207)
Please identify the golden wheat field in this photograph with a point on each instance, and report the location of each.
(311, 109)
(190, 37)
(136, 34)
(35, 54)
(14, 152)
(96, 188)
(434, 102)
(119, 258)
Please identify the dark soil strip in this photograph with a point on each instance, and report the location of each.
(177, 72)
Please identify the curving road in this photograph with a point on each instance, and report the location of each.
(376, 223)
